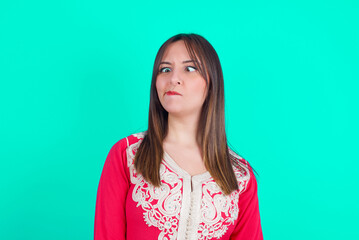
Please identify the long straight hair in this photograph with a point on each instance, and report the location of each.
(211, 134)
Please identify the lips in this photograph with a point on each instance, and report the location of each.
(172, 93)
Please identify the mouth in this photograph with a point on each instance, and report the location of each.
(172, 93)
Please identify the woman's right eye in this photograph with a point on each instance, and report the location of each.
(165, 69)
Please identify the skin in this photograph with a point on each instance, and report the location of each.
(178, 73)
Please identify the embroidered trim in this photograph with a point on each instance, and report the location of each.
(219, 211)
(161, 206)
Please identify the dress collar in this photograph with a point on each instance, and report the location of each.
(183, 173)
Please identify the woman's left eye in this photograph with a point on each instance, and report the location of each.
(191, 69)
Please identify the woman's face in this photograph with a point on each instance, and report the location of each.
(180, 87)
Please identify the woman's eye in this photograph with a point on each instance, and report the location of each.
(191, 69)
(165, 69)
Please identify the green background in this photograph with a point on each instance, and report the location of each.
(75, 78)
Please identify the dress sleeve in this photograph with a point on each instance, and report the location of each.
(249, 225)
(110, 219)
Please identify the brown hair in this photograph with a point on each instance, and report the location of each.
(211, 135)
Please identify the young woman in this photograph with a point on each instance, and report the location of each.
(179, 179)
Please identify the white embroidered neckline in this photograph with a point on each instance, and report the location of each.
(180, 171)
(171, 207)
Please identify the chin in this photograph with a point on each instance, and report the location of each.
(173, 111)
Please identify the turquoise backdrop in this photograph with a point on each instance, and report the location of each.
(75, 78)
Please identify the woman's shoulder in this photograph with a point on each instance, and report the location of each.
(125, 148)
(135, 138)
(132, 139)
(238, 161)
(242, 169)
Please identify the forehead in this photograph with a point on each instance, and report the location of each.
(176, 51)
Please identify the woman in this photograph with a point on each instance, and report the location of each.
(179, 179)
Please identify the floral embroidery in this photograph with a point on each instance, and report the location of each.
(218, 211)
(161, 205)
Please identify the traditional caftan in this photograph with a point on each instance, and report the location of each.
(184, 207)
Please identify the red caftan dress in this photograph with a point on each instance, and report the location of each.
(184, 207)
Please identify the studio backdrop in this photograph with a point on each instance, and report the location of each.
(75, 78)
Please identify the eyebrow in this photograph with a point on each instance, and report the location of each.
(187, 61)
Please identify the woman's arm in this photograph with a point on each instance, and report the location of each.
(110, 219)
(249, 224)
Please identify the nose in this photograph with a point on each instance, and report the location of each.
(176, 78)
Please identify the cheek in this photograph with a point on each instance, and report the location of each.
(200, 86)
(159, 84)
(202, 89)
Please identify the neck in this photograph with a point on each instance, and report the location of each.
(182, 130)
